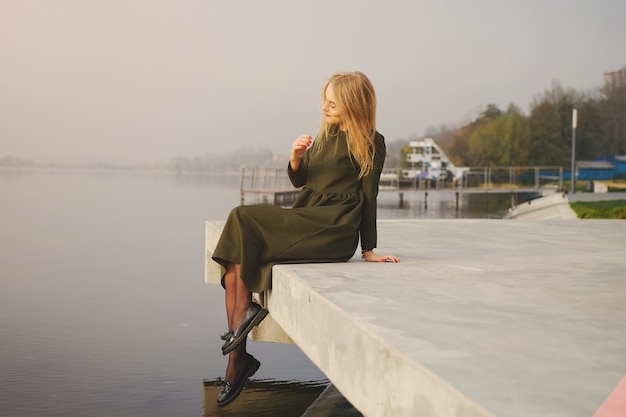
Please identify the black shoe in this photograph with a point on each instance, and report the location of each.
(254, 315)
(227, 335)
(231, 390)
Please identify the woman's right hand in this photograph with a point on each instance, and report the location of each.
(370, 256)
(298, 148)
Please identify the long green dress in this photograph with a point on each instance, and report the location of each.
(331, 211)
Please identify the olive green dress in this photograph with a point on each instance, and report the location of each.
(331, 211)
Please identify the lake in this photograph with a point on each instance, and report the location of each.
(104, 310)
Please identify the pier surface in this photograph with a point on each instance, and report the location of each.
(481, 318)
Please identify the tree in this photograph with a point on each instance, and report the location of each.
(545, 136)
(457, 141)
(614, 109)
(551, 126)
(457, 148)
(590, 130)
(501, 140)
(483, 147)
(518, 134)
(492, 112)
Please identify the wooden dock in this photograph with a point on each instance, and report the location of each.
(267, 186)
(272, 185)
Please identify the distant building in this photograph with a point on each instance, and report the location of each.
(620, 165)
(429, 161)
(613, 77)
(595, 170)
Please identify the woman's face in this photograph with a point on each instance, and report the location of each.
(330, 109)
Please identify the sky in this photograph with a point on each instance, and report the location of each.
(143, 81)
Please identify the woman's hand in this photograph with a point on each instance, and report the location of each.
(298, 148)
(370, 256)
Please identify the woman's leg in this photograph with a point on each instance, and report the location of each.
(229, 295)
(237, 296)
(237, 301)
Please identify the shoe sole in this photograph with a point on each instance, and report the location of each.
(255, 322)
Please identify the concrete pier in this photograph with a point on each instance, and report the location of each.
(481, 318)
(549, 207)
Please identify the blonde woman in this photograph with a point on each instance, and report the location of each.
(339, 174)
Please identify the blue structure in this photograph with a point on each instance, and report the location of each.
(620, 164)
(594, 170)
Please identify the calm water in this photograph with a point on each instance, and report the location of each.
(103, 307)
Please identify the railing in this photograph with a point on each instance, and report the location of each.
(485, 179)
(272, 185)
(266, 186)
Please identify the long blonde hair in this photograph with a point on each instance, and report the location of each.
(356, 103)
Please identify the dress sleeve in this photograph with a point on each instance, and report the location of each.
(299, 176)
(369, 185)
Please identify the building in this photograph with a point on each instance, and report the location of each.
(594, 170)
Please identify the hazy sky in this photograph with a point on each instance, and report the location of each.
(147, 80)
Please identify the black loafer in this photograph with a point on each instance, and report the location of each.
(231, 390)
(254, 315)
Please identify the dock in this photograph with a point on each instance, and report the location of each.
(266, 186)
(489, 318)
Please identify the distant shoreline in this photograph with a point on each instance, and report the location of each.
(112, 169)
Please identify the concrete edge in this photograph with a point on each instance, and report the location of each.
(363, 366)
(548, 207)
(212, 270)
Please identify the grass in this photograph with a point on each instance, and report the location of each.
(609, 209)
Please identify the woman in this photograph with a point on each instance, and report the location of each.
(339, 173)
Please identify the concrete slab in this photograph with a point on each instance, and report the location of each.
(481, 318)
(549, 207)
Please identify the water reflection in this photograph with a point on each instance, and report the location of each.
(447, 204)
(264, 397)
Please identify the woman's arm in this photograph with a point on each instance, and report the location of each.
(297, 160)
(369, 186)
(369, 183)
(299, 147)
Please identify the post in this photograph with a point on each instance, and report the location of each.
(485, 178)
(241, 184)
(574, 116)
(537, 178)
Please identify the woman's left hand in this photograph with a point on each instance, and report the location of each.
(370, 256)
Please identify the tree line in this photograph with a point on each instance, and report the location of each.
(510, 138)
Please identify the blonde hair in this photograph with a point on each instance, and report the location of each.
(356, 103)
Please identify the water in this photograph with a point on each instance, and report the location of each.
(103, 307)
